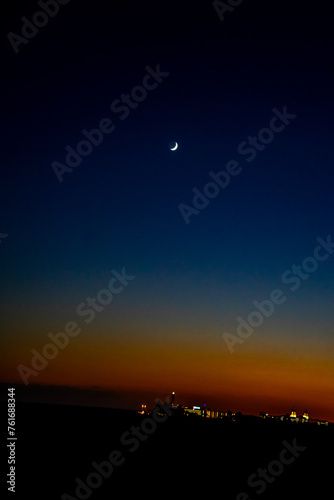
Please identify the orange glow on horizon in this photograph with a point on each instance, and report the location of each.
(246, 380)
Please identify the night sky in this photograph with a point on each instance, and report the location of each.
(213, 86)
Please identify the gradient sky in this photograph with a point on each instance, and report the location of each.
(119, 207)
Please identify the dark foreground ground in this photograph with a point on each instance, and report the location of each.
(183, 456)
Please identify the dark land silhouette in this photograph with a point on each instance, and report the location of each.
(181, 456)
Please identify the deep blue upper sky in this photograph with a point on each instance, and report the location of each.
(225, 78)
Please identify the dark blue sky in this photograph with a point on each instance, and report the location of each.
(119, 207)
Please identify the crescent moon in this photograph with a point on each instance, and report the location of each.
(175, 147)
